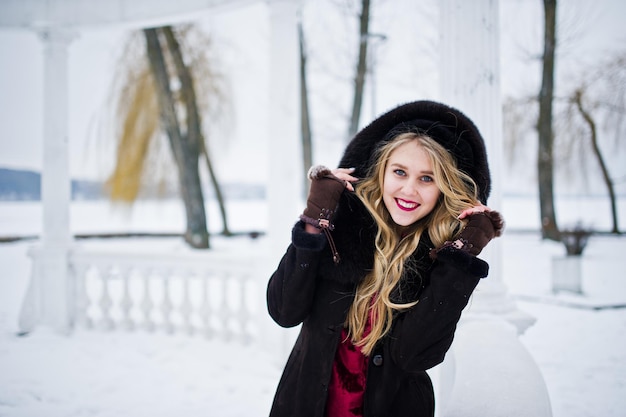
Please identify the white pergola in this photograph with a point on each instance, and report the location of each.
(57, 23)
(470, 81)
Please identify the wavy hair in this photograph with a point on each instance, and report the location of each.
(392, 250)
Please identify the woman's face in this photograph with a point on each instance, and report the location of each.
(409, 189)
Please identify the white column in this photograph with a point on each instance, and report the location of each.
(470, 81)
(55, 182)
(284, 191)
(488, 372)
(47, 300)
(285, 148)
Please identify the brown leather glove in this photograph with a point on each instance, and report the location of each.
(323, 197)
(479, 230)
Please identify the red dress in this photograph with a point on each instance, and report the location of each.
(347, 381)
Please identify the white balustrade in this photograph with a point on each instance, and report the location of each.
(214, 294)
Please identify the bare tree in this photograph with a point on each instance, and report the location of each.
(591, 117)
(161, 94)
(577, 99)
(599, 103)
(185, 143)
(359, 80)
(305, 119)
(361, 68)
(545, 166)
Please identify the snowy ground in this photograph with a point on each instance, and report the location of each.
(578, 340)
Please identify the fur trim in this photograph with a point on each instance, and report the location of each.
(497, 221)
(318, 171)
(453, 129)
(354, 236)
(309, 241)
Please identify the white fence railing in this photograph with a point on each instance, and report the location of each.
(211, 293)
(216, 293)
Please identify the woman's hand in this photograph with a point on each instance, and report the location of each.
(324, 194)
(345, 175)
(479, 208)
(495, 217)
(483, 224)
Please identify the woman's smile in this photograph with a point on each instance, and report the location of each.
(406, 205)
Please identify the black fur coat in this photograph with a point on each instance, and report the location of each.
(308, 288)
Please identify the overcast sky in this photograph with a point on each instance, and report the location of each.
(589, 31)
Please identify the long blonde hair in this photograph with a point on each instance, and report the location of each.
(373, 294)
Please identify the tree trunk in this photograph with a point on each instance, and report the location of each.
(361, 69)
(219, 196)
(549, 228)
(307, 147)
(185, 147)
(194, 122)
(596, 150)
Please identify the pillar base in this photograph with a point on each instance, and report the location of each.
(49, 293)
(493, 374)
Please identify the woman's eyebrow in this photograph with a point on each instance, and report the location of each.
(401, 166)
(396, 164)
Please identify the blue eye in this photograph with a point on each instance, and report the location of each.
(399, 172)
(426, 178)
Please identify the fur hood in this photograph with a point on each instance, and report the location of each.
(355, 229)
(451, 128)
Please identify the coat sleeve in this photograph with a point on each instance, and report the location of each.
(421, 336)
(291, 287)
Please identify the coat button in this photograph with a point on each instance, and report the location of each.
(378, 360)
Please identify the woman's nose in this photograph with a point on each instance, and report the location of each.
(409, 189)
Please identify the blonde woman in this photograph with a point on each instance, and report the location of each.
(381, 265)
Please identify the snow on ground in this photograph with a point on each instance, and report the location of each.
(578, 340)
(117, 374)
(580, 350)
